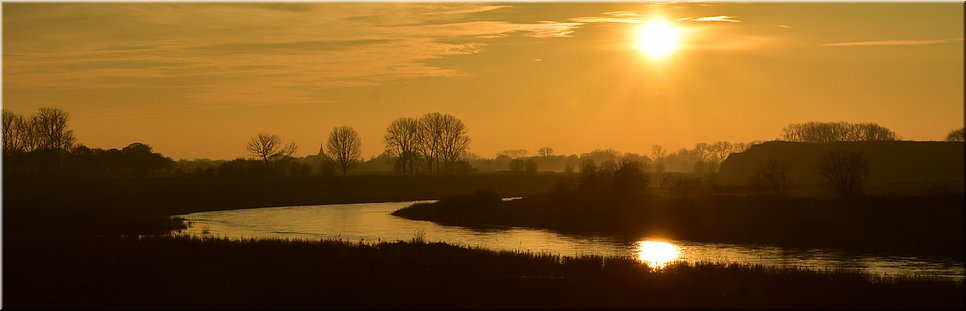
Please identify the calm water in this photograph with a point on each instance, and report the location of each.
(372, 222)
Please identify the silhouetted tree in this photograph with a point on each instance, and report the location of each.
(530, 166)
(772, 176)
(545, 152)
(16, 140)
(826, 132)
(629, 178)
(269, 147)
(588, 178)
(608, 167)
(50, 129)
(659, 154)
(15, 133)
(444, 141)
(513, 153)
(140, 159)
(517, 165)
(843, 172)
(871, 132)
(403, 139)
(956, 135)
(345, 147)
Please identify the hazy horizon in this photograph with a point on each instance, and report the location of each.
(198, 80)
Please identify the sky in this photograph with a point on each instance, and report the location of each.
(197, 80)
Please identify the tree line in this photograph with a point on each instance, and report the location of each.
(433, 143)
(827, 132)
(44, 131)
(43, 145)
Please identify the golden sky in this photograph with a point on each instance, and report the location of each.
(197, 80)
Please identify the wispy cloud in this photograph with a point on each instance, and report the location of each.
(784, 26)
(623, 13)
(549, 29)
(486, 29)
(719, 18)
(285, 51)
(892, 42)
(592, 19)
(468, 10)
(635, 17)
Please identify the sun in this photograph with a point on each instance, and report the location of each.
(658, 38)
(657, 254)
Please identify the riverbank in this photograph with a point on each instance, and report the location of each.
(109, 206)
(930, 226)
(166, 272)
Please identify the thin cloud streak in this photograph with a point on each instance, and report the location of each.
(470, 10)
(892, 42)
(590, 19)
(719, 18)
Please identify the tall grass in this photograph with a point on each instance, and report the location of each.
(205, 272)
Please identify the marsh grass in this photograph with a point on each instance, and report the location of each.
(207, 272)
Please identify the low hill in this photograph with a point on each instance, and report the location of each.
(890, 162)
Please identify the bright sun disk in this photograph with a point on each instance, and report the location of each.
(658, 38)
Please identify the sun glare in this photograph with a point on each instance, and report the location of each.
(657, 254)
(658, 38)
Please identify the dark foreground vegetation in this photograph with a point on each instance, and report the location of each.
(908, 225)
(141, 205)
(182, 272)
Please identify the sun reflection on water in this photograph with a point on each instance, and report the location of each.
(657, 254)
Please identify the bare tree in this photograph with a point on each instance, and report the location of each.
(403, 138)
(956, 135)
(874, 132)
(513, 153)
(269, 147)
(772, 176)
(345, 147)
(455, 142)
(545, 152)
(15, 133)
(444, 141)
(659, 154)
(50, 131)
(826, 132)
(431, 128)
(843, 172)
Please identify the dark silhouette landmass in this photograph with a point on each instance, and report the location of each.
(160, 272)
(895, 166)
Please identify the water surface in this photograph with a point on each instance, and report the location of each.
(372, 222)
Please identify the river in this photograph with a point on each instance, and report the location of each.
(372, 222)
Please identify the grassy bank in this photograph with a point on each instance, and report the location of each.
(907, 225)
(207, 273)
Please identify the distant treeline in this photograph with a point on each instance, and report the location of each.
(434, 143)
